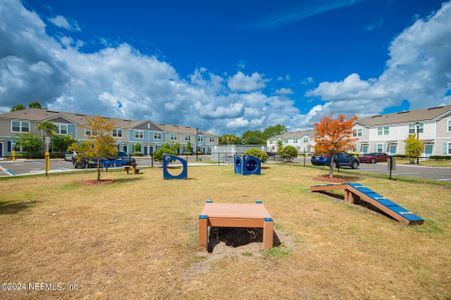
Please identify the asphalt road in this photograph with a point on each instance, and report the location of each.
(434, 173)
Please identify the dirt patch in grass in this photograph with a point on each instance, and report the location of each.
(97, 182)
(337, 178)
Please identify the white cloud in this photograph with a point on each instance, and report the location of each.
(307, 80)
(284, 91)
(418, 69)
(120, 81)
(241, 82)
(62, 22)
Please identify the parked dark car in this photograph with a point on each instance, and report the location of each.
(341, 159)
(373, 158)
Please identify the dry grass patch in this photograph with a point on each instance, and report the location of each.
(137, 237)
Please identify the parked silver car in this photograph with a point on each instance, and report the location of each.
(70, 156)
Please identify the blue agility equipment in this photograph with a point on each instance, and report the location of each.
(354, 191)
(247, 165)
(167, 159)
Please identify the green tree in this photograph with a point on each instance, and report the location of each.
(289, 153)
(279, 146)
(165, 149)
(414, 147)
(100, 144)
(258, 153)
(137, 147)
(61, 143)
(30, 143)
(229, 139)
(253, 137)
(17, 107)
(188, 148)
(272, 131)
(49, 129)
(34, 104)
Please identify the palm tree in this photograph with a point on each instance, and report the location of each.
(49, 129)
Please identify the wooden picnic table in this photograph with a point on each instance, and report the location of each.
(235, 215)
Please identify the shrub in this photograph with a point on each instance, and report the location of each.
(158, 155)
(289, 153)
(440, 157)
(137, 154)
(260, 154)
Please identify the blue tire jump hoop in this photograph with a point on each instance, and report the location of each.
(247, 165)
(166, 160)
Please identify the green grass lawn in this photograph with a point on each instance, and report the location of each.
(137, 238)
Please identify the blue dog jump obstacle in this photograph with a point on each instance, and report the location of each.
(355, 191)
(166, 160)
(247, 165)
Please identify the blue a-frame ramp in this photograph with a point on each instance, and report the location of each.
(353, 191)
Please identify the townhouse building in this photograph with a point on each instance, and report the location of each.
(302, 140)
(146, 133)
(386, 133)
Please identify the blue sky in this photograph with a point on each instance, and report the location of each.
(235, 65)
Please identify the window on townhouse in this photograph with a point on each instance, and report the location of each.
(157, 135)
(449, 125)
(305, 140)
(449, 148)
(357, 132)
(286, 141)
(187, 138)
(383, 130)
(173, 136)
(413, 128)
(25, 127)
(117, 132)
(62, 128)
(139, 134)
(88, 132)
(295, 141)
(200, 138)
(379, 148)
(212, 139)
(20, 126)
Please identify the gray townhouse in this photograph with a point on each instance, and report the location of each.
(146, 133)
(204, 141)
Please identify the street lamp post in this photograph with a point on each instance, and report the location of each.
(418, 138)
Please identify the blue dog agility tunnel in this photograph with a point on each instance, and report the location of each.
(247, 165)
(167, 159)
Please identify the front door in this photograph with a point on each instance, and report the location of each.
(428, 148)
(392, 149)
(1, 149)
(124, 149)
(150, 150)
(145, 150)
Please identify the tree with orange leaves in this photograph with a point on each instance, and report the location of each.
(334, 135)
